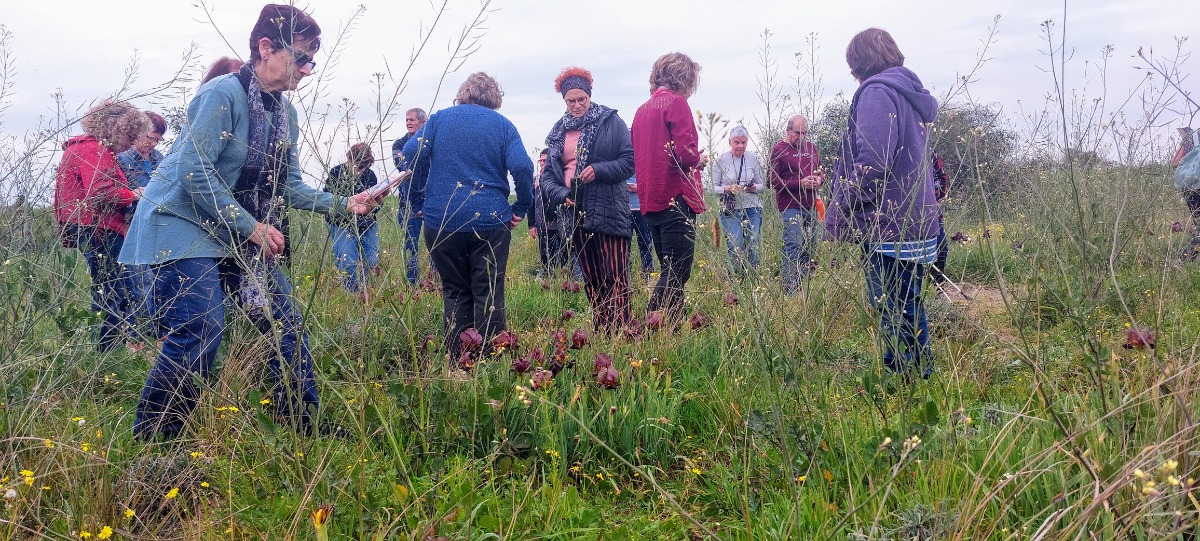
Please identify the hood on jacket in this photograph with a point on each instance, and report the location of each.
(906, 83)
(78, 139)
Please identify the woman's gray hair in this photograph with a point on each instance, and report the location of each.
(480, 89)
(739, 131)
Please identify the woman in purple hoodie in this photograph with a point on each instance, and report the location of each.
(883, 194)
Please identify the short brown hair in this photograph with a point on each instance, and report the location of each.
(360, 155)
(158, 124)
(282, 24)
(872, 51)
(116, 124)
(676, 71)
(480, 89)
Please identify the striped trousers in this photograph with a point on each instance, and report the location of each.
(604, 260)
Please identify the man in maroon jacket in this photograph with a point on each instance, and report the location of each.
(796, 175)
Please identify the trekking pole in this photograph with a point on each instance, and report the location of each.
(946, 279)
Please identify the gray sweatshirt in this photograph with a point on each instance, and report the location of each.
(730, 171)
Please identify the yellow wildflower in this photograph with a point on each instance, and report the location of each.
(105, 533)
(320, 517)
(171, 494)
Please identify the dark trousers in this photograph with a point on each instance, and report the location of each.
(550, 250)
(1192, 198)
(189, 300)
(894, 290)
(641, 231)
(472, 265)
(674, 234)
(112, 288)
(604, 260)
(938, 271)
(412, 225)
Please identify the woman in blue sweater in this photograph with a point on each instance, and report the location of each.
(461, 160)
(209, 223)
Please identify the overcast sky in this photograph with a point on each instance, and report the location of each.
(85, 48)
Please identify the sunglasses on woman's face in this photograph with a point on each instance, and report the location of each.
(302, 58)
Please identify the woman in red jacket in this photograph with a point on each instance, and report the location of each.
(668, 162)
(91, 201)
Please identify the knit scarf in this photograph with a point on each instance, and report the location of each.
(587, 125)
(259, 188)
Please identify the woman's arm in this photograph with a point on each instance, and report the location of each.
(103, 182)
(300, 194)
(875, 140)
(683, 132)
(554, 188)
(617, 167)
(521, 168)
(718, 174)
(756, 178)
(209, 130)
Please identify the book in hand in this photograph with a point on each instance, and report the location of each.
(387, 185)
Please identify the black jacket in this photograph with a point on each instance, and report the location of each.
(601, 205)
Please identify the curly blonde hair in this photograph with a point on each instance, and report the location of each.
(677, 72)
(480, 89)
(116, 124)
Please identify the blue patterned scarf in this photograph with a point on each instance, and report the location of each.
(259, 188)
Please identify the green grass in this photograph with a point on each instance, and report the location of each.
(773, 421)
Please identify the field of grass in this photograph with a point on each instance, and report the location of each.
(771, 420)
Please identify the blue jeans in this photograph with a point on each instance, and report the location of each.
(356, 254)
(894, 290)
(938, 270)
(189, 295)
(799, 238)
(412, 225)
(111, 287)
(141, 288)
(641, 231)
(743, 229)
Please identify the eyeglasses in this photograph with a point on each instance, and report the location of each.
(302, 59)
